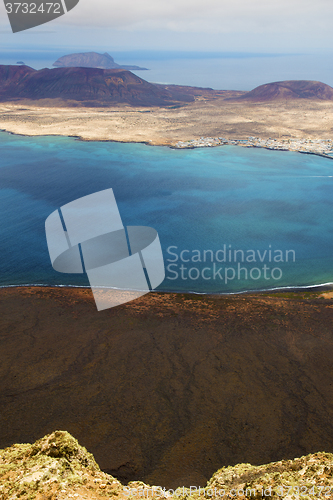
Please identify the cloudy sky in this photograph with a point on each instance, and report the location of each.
(237, 25)
(278, 39)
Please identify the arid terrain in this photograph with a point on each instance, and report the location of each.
(116, 105)
(169, 388)
(165, 126)
(207, 117)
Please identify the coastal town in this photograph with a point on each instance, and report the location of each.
(322, 147)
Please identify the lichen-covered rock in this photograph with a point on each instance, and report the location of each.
(54, 467)
(307, 477)
(60, 444)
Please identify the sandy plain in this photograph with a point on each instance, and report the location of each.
(206, 117)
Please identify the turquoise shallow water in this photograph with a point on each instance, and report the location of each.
(268, 205)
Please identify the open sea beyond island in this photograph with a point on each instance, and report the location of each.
(230, 219)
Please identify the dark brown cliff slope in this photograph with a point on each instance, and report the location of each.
(12, 75)
(168, 388)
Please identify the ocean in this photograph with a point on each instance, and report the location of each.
(230, 219)
(217, 70)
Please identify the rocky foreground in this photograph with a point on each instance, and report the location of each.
(56, 467)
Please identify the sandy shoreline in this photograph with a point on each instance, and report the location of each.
(306, 146)
(302, 125)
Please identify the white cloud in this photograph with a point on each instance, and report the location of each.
(219, 16)
(263, 25)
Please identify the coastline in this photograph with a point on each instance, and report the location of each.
(317, 147)
(300, 126)
(313, 145)
(314, 290)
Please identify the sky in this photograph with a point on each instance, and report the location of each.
(210, 25)
(285, 39)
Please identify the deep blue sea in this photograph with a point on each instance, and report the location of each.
(275, 209)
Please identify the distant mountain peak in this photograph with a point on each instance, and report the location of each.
(107, 55)
(92, 86)
(91, 60)
(290, 89)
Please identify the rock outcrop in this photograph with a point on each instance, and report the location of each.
(56, 467)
